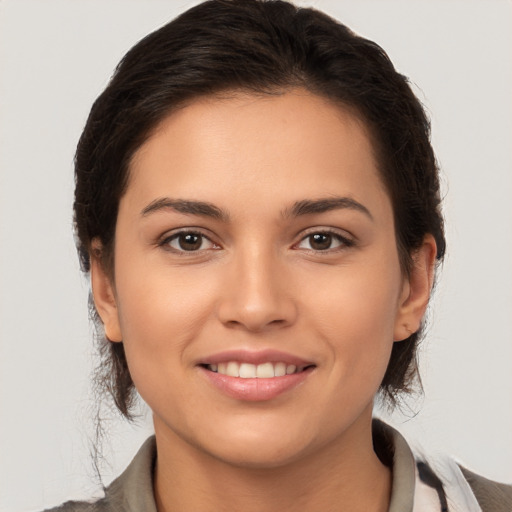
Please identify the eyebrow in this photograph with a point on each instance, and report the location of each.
(185, 206)
(299, 208)
(322, 205)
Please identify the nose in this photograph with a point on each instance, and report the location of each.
(257, 294)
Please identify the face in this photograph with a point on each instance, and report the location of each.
(257, 284)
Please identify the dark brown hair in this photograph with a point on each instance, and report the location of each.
(264, 47)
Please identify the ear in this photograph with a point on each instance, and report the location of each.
(104, 295)
(416, 290)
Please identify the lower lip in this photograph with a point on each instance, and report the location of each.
(255, 390)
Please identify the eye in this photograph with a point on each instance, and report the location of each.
(189, 241)
(323, 241)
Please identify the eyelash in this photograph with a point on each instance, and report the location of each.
(344, 242)
(166, 242)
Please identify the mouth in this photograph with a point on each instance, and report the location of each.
(255, 376)
(266, 370)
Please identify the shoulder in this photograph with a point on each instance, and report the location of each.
(81, 506)
(420, 477)
(491, 496)
(130, 492)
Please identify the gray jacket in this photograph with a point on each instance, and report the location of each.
(133, 490)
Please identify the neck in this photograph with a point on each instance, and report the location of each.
(345, 475)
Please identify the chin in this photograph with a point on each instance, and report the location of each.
(254, 443)
(255, 456)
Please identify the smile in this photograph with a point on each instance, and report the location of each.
(255, 376)
(267, 370)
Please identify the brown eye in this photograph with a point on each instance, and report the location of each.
(320, 241)
(189, 242)
(324, 241)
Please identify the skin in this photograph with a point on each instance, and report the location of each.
(259, 282)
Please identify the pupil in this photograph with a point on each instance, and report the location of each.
(320, 241)
(190, 242)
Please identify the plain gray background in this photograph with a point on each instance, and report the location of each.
(56, 57)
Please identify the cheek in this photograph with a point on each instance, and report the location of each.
(354, 311)
(159, 315)
(356, 298)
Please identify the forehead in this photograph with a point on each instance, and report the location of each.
(279, 146)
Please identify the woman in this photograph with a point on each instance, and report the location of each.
(257, 202)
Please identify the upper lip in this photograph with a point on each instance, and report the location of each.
(255, 357)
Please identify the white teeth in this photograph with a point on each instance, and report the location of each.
(290, 369)
(233, 369)
(251, 371)
(265, 371)
(248, 371)
(280, 369)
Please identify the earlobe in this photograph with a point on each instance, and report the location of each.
(104, 296)
(416, 290)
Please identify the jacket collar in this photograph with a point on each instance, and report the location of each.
(132, 491)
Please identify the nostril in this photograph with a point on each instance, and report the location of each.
(254, 312)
